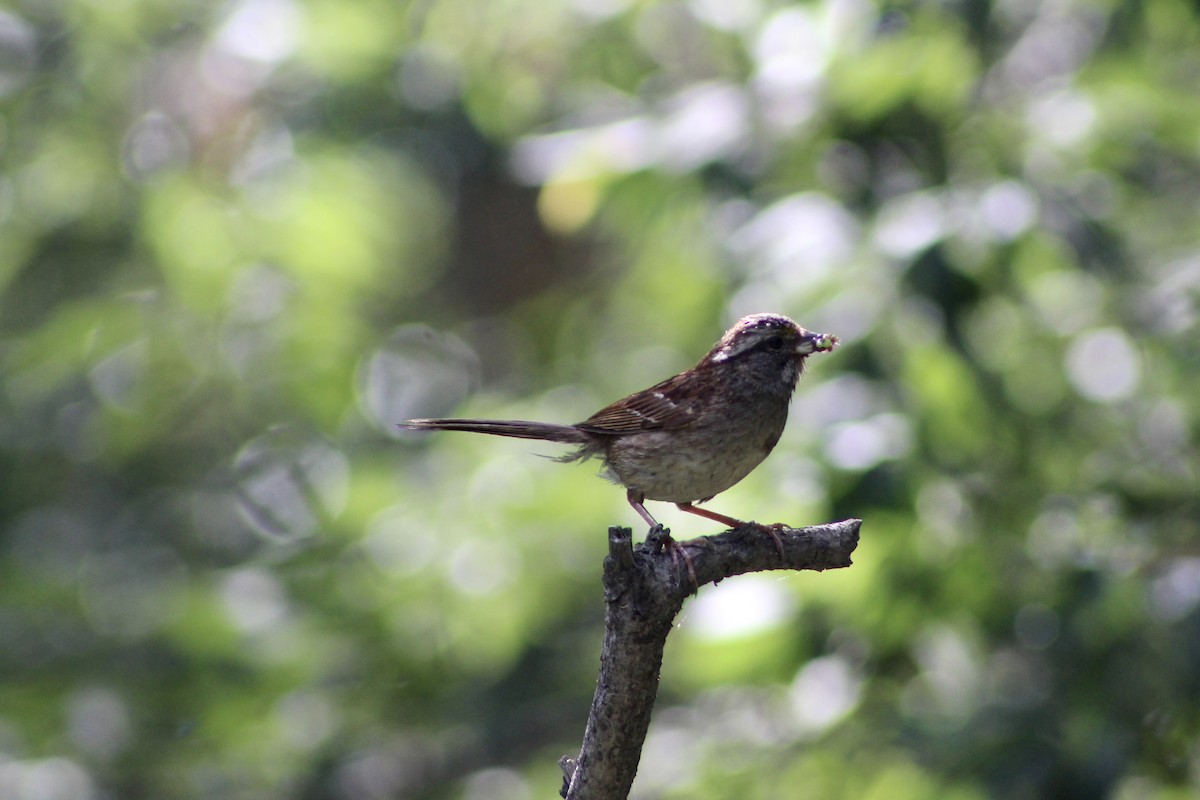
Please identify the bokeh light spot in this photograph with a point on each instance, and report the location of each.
(254, 599)
(1176, 592)
(289, 484)
(417, 373)
(825, 691)
(18, 47)
(1103, 365)
(748, 605)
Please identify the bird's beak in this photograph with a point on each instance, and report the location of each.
(815, 343)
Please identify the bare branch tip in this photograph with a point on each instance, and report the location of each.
(567, 764)
(620, 546)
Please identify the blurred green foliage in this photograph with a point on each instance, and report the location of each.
(240, 240)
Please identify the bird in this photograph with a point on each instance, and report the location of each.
(694, 435)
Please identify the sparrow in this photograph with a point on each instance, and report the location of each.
(690, 437)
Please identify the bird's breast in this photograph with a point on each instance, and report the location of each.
(699, 461)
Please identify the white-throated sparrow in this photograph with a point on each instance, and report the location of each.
(692, 436)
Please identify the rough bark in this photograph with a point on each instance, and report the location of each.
(644, 588)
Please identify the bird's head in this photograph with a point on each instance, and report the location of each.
(770, 347)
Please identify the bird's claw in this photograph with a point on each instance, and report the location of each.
(660, 539)
(772, 531)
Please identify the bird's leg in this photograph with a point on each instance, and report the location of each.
(713, 515)
(636, 499)
(736, 523)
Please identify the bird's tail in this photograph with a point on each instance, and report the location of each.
(519, 429)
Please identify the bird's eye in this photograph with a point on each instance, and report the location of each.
(775, 342)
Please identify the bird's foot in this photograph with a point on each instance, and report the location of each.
(771, 530)
(660, 538)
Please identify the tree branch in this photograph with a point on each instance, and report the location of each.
(644, 588)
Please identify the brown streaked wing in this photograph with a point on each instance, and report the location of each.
(664, 406)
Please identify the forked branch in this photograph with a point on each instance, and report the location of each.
(644, 588)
